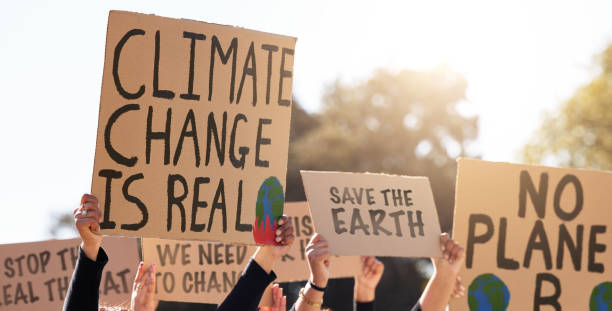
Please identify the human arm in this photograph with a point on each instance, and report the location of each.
(444, 281)
(83, 292)
(258, 273)
(319, 262)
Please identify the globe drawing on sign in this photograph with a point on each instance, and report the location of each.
(488, 293)
(601, 297)
(268, 210)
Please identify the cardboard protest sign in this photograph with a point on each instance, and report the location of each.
(36, 276)
(374, 214)
(294, 265)
(193, 129)
(192, 271)
(536, 238)
(205, 272)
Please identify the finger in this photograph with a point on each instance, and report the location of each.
(450, 252)
(448, 246)
(317, 245)
(284, 230)
(90, 208)
(443, 239)
(283, 234)
(89, 198)
(379, 267)
(321, 254)
(316, 238)
(283, 220)
(144, 289)
(284, 303)
(139, 273)
(149, 284)
(86, 222)
(88, 216)
(92, 222)
(287, 240)
(459, 253)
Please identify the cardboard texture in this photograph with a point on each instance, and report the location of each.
(194, 271)
(294, 265)
(194, 117)
(536, 237)
(374, 214)
(205, 272)
(36, 276)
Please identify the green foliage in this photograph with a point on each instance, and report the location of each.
(376, 126)
(578, 135)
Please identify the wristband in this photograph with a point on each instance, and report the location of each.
(313, 286)
(308, 301)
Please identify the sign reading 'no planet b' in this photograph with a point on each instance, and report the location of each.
(193, 129)
(536, 238)
(374, 214)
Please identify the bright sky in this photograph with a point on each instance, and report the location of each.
(520, 58)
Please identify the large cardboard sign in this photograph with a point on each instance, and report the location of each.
(193, 129)
(536, 238)
(374, 214)
(36, 276)
(206, 272)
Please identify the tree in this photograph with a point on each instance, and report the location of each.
(405, 123)
(399, 123)
(578, 135)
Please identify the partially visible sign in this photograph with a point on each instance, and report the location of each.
(205, 272)
(374, 214)
(192, 271)
(536, 238)
(36, 276)
(294, 265)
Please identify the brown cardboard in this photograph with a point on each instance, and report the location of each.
(337, 198)
(46, 271)
(182, 265)
(492, 191)
(294, 265)
(135, 188)
(186, 263)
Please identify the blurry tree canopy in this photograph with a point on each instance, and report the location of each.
(580, 133)
(398, 123)
(402, 123)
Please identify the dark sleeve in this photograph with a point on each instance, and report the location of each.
(247, 292)
(416, 307)
(84, 289)
(365, 306)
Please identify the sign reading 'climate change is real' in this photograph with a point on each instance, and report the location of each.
(193, 129)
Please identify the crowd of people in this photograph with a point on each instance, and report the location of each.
(83, 292)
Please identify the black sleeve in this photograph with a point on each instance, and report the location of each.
(365, 306)
(416, 307)
(250, 287)
(84, 289)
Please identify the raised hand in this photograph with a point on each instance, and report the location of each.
(266, 255)
(318, 255)
(453, 256)
(367, 280)
(444, 283)
(143, 290)
(278, 299)
(87, 223)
